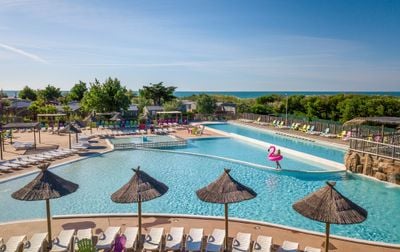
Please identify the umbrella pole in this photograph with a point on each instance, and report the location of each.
(139, 223)
(226, 227)
(69, 134)
(327, 227)
(48, 222)
(76, 137)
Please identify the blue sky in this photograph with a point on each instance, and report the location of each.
(203, 45)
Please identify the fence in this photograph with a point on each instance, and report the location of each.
(387, 150)
(157, 145)
(321, 125)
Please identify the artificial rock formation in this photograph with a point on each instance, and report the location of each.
(384, 169)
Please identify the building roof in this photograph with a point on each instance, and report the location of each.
(154, 108)
(133, 107)
(19, 104)
(187, 102)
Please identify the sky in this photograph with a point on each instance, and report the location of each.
(203, 45)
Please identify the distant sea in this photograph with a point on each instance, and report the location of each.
(249, 94)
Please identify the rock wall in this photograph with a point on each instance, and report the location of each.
(381, 168)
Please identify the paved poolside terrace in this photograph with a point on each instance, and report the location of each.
(278, 233)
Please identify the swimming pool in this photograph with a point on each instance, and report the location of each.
(100, 176)
(142, 139)
(333, 154)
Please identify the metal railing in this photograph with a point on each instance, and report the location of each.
(379, 149)
(156, 145)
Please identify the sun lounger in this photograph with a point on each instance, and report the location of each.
(63, 242)
(173, 240)
(194, 239)
(311, 249)
(14, 244)
(289, 246)
(5, 169)
(36, 243)
(262, 244)
(241, 243)
(153, 239)
(106, 239)
(216, 240)
(131, 237)
(83, 234)
(11, 165)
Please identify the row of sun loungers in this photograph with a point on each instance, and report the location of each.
(26, 161)
(175, 240)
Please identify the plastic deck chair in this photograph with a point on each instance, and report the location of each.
(86, 245)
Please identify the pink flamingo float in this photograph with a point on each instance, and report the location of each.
(272, 156)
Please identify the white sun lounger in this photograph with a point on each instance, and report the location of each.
(216, 240)
(241, 243)
(63, 242)
(11, 165)
(5, 168)
(289, 246)
(311, 249)
(106, 239)
(262, 244)
(36, 243)
(131, 237)
(194, 239)
(14, 244)
(173, 240)
(83, 234)
(153, 239)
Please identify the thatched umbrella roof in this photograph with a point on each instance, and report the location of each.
(90, 118)
(385, 120)
(117, 117)
(330, 206)
(225, 190)
(141, 187)
(70, 128)
(46, 185)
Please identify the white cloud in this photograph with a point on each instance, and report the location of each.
(23, 53)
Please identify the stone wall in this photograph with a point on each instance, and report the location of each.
(381, 168)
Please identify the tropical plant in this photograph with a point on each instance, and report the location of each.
(50, 93)
(206, 104)
(77, 91)
(28, 93)
(158, 93)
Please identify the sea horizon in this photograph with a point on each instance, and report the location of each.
(255, 94)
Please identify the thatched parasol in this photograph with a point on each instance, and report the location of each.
(331, 207)
(45, 186)
(376, 120)
(90, 119)
(141, 187)
(70, 128)
(117, 117)
(225, 190)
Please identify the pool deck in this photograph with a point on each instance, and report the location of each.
(278, 233)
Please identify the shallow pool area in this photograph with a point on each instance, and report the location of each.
(102, 175)
(329, 153)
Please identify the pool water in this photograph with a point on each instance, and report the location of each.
(235, 149)
(291, 143)
(100, 176)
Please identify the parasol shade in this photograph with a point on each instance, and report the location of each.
(45, 186)
(225, 190)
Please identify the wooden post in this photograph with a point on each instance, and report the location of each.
(34, 138)
(139, 222)
(226, 227)
(327, 227)
(48, 223)
(69, 138)
(40, 140)
(1, 145)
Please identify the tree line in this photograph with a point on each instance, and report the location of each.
(111, 95)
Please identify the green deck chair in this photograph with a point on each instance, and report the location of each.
(86, 245)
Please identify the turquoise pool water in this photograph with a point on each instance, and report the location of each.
(235, 149)
(291, 143)
(100, 176)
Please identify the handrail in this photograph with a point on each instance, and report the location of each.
(379, 149)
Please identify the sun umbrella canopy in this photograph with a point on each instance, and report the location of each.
(330, 206)
(90, 118)
(225, 190)
(384, 120)
(46, 185)
(141, 187)
(70, 128)
(116, 117)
